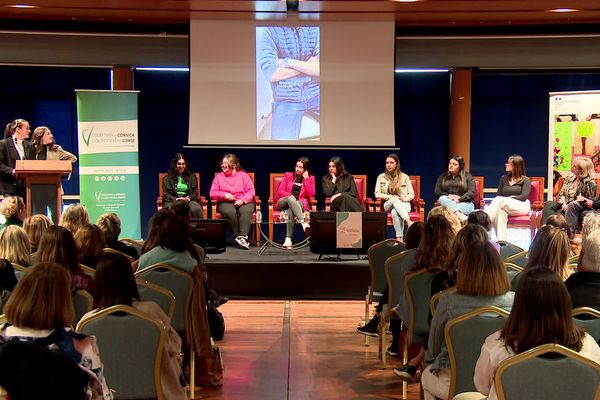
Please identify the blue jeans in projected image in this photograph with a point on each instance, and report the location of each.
(287, 117)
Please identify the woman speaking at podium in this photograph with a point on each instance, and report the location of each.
(14, 147)
(46, 149)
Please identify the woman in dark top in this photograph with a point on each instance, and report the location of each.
(181, 184)
(339, 185)
(456, 188)
(513, 196)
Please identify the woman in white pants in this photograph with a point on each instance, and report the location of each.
(512, 197)
(393, 187)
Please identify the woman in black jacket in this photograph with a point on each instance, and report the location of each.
(339, 185)
(181, 184)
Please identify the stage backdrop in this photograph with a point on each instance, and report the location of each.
(107, 129)
(574, 131)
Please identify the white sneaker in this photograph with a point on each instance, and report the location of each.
(243, 242)
(287, 243)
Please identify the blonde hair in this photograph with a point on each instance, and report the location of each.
(11, 206)
(74, 217)
(550, 248)
(591, 223)
(481, 271)
(35, 226)
(586, 165)
(14, 245)
(449, 215)
(110, 224)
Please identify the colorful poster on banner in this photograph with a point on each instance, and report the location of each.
(348, 230)
(108, 156)
(563, 139)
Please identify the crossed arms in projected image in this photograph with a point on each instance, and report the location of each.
(289, 60)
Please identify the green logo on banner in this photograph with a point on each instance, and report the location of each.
(86, 135)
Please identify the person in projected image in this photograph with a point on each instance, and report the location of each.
(339, 185)
(289, 59)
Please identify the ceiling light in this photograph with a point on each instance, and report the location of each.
(20, 6)
(563, 10)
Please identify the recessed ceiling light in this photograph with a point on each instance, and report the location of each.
(563, 10)
(21, 6)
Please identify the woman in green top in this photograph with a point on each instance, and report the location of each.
(181, 184)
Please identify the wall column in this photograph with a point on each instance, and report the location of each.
(122, 78)
(460, 114)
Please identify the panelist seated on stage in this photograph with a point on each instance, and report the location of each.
(234, 192)
(181, 184)
(339, 185)
(14, 147)
(294, 193)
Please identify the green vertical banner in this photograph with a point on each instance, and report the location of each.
(109, 181)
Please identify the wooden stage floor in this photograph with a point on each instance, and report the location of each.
(301, 350)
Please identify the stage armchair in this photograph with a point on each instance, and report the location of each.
(536, 199)
(417, 204)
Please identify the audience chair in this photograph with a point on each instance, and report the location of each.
(508, 249)
(132, 346)
(361, 193)
(19, 270)
(109, 250)
(464, 337)
(417, 290)
(417, 204)
(257, 202)
(573, 259)
(165, 299)
(82, 303)
(396, 268)
(589, 319)
(518, 259)
(512, 270)
(275, 180)
(534, 375)
(3, 319)
(201, 252)
(435, 299)
(377, 255)
(536, 198)
(137, 244)
(201, 199)
(88, 270)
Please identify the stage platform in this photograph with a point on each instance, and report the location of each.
(287, 274)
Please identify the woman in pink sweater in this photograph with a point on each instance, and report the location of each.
(233, 190)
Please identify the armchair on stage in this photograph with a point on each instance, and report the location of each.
(201, 199)
(274, 182)
(43, 188)
(417, 204)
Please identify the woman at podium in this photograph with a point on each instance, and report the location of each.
(14, 147)
(46, 149)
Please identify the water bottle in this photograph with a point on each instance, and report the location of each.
(258, 217)
(283, 216)
(307, 216)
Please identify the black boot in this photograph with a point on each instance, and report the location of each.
(370, 328)
(395, 327)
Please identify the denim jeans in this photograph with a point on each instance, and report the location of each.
(463, 206)
(399, 210)
(287, 117)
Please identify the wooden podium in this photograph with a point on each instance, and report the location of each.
(42, 182)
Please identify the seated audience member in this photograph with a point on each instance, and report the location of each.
(481, 281)
(181, 184)
(13, 210)
(233, 190)
(110, 224)
(340, 187)
(449, 215)
(577, 186)
(14, 245)
(540, 314)
(74, 217)
(58, 246)
(560, 222)
(584, 285)
(40, 311)
(8, 280)
(172, 240)
(115, 285)
(550, 248)
(591, 222)
(480, 217)
(90, 243)
(35, 226)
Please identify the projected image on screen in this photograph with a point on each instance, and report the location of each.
(288, 91)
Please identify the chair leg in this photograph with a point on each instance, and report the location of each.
(404, 362)
(192, 374)
(367, 303)
(382, 339)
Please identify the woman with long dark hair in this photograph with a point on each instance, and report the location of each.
(455, 188)
(294, 192)
(46, 149)
(181, 184)
(339, 186)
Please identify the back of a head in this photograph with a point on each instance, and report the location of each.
(90, 242)
(74, 217)
(468, 234)
(436, 244)
(15, 246)
(29, 371)
(541, 313)
(550, 248)
(35, 226)
(481, 271)
(590, 253)
(58, 245)
(182, 209)
(154, 225)
(446, 213)
(114, 280)
(174, 234)
(12, 206)
(110, 224)
(560, 222)
(480, 218)
(414, 234)
(42, 298)
(8, 279)
(591, 223)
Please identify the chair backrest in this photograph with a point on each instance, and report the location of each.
(396, 268)
(435, 299)
(137, 244)
(19, 270)
(417, 289)
(512, 270)
(536, 195)
(478, 195)
(110, 250)
(589, 319)
(82, 303)
(162, 175)
(528, 376)
(508, 249)
(415, 181)
(377, 255)
(361, 189)
(148, 291)
(132, 346)
(464, 337)
(178, 282)
(519, 259)
(275, 180)
(88, 270)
